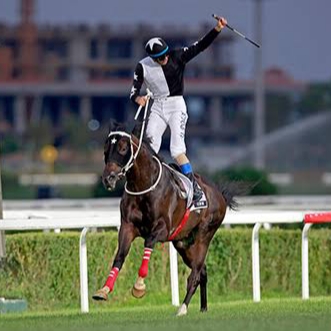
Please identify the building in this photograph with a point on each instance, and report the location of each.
(49, 70)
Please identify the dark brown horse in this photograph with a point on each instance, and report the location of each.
(152, 208)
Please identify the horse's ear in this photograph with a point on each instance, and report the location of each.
(116, 126)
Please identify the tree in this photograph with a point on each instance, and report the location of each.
(317, 98)
(2, 234)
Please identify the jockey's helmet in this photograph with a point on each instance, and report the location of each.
(156, 47)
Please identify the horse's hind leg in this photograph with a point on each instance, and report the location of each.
(194, 257)
(203, 289)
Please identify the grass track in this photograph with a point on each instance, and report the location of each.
(272, 314)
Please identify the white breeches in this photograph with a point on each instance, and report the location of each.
(168, 111)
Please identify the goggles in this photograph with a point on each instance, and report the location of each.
(161, 58)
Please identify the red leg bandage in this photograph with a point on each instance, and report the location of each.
(112, 278)
(143, 271)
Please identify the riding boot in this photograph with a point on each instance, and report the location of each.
(197, 192)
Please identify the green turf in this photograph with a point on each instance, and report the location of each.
(271, 314)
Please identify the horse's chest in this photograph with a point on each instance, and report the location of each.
(145, 225)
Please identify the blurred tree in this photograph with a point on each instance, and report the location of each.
(279, 109)
(2, 233)
(317, 98)
(9, 144)
(257, 178)
(40, 134)
(75, 131)
(99, 190)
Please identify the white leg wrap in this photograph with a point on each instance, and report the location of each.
(182, 310)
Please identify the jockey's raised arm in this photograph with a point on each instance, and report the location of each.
(188, 53)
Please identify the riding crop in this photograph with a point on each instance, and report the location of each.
(237, 32)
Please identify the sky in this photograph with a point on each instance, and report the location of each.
(296, 33)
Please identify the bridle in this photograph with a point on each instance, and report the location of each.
(134, 155)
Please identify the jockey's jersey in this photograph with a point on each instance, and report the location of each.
(167, 80)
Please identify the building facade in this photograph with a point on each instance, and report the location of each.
(46, 71)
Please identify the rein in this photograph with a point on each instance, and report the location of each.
(133, 157)
(152, 187)
(143, 123)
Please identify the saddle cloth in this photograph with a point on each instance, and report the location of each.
(186, 190)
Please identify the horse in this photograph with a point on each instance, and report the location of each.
(152, 208)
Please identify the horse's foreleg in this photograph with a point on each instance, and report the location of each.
(139, 288)
(159, 233)
(125, 237)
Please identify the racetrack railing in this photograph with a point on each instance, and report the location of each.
(27, 220)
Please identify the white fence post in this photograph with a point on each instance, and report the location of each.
(174, 274)
(305, 261)
(256, 263)
(83, 272)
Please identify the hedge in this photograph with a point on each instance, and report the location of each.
(44, 267)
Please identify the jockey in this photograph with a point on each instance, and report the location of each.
(162, 73)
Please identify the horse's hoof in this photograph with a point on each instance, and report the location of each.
(138, 293)
(102, 294)
(182, 310)
(139, 288)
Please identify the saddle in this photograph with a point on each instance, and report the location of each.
(185, 188)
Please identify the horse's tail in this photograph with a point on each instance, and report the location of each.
(230, 190)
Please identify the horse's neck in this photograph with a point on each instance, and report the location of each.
(143, 173)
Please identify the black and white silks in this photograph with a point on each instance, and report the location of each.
(165, 82)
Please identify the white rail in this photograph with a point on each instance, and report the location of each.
(58, 220)
(256, 263)
(77, 219)
(305, 262)
(84, 219)
(309, 220)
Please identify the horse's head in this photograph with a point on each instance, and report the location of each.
(120, 152)
(118, 157)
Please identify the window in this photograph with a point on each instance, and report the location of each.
(118, 73)
(224, 53)
(119, 49)
(177, 42)
(196, 109)
(63, 74)
(94, 54)
(13, 45)
(55, 46)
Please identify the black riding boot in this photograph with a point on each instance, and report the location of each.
(197, 192)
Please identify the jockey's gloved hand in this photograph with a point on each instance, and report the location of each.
(221, 23)
(141, 100)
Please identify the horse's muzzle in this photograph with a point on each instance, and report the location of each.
(109, 182)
